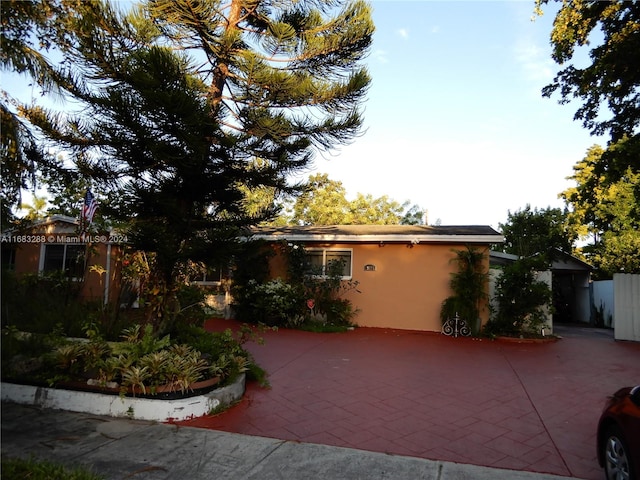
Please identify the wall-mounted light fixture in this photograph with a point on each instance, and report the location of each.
(369, 267)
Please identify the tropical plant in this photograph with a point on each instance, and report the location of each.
(134, 379)
(36, 210)
(68, 357)
(26, 25)
(140, 363)
(108, 370)
(469, 287)
(188, 366)
(139, 341)
(157, 363)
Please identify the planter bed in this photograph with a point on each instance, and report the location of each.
(151, 407)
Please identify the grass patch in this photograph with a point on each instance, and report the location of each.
(34, 469)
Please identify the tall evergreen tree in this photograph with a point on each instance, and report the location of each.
(180, 99)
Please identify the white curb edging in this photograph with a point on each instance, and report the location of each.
(116, 406)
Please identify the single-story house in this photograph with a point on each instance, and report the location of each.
(403, 271)
(56, 244)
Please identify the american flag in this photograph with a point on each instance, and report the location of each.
(89, 208)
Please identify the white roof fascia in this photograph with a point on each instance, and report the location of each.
(382, 238)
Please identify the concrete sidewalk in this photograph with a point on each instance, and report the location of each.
(121, 448)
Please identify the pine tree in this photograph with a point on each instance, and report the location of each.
(180, 98)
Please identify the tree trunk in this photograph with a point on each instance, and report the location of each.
(221, 71)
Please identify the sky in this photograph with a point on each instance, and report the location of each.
(455, 120)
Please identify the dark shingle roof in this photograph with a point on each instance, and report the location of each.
(381, 233)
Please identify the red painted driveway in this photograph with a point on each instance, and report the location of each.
(530, 407)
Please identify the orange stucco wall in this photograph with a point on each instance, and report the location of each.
(407, 287)
(27, 261)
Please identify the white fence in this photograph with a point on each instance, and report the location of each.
(626, 307)
(602, 303)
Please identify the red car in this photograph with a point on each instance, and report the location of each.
(619, 435)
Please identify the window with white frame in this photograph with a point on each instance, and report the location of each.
(208, 275)
(69, 258)
(322, 260)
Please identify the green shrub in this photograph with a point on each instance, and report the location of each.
(521, 301)
(283, 302)
(36, 303)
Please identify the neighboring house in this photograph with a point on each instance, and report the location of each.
(570, 283)
(55, 244)
(403, 270)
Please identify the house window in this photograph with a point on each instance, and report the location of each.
(208, 276)
(324, 261)
(67, 258)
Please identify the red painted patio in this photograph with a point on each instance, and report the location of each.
(530, 407)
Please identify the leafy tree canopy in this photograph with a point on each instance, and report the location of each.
(606, 209)
(612, 78)
(606, 199)
(324, 202)
(541, 232)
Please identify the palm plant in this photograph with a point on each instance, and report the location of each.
(468, 285)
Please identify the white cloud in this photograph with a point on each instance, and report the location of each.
(403, 32)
